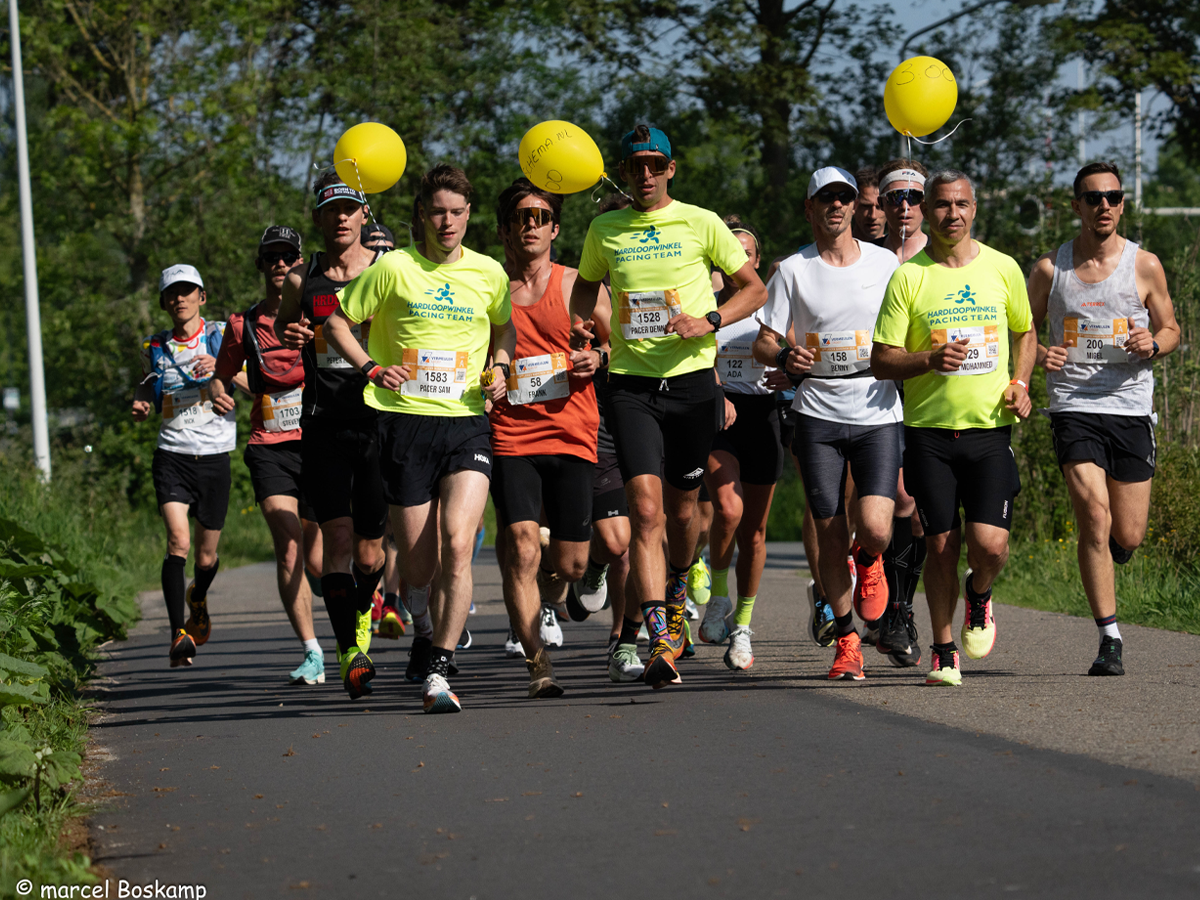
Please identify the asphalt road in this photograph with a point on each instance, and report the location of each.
(1029, 780)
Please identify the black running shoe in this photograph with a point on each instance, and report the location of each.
(1109, 660)
(870, 633)
(575, 609)
(893, 632)
(418, 660)
(913, 656)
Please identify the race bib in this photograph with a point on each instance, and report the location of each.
(839, 352)
(327, 357)
(1096, 341)
(983, 353)
(736, 362)
(645, 314)
(435, 374)
(533, 379)
(187, 408)
(281, 410)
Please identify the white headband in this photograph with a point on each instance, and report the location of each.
(901, 175)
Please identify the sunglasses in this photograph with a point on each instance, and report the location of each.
(1092, 198)
(657, 164)
(827, 196)
(911, 196)
(534, 214)
(271, 259)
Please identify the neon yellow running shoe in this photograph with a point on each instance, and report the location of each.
(979, 624)
(945, 669)
(362, 631)
(356, 670)
(699, 582)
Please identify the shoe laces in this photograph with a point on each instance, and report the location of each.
(977, 611)
(593, 578)
(548, 617)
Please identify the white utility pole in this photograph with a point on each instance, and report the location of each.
(33, 318)
(1082, 139)
(1137, 150)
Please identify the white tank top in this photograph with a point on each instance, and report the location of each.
(1099, 376)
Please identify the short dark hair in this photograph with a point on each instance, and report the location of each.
(736, 223)
(1096, 168)
(867, 176)
(444, 177)
(325, 180)
(518, 191)
(612, 202)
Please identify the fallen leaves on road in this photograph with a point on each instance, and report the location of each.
(290, 752)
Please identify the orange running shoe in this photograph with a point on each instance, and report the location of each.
(199, 623)
(391, 626)
(183, 648)
(848, 661)
(661, 670)
(870, 590)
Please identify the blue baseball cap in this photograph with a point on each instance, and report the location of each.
(658, 143)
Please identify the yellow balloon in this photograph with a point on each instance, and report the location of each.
(560, 157)
(920, 95)
(370, 157)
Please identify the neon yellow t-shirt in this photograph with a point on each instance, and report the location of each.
(926, 305)
(436, 319)
(659, 263)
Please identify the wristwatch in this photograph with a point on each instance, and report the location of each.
(714, 319)
(503, 367)
(1154, 352)
(603, 359)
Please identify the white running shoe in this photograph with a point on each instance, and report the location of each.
(739, 656)
(437, 697)
(623, 663)
(549, 629)
(592, 589)
(690, 609)
(715, 628)
(512, 647)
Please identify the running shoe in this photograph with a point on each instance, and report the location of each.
(689, 646)
(548, 628)
(479, 536)
(451, 666)
(870, 633)
(870, 590)
(391, 625)
(892, 632)
(691, 610)
(820, 623)
(437, 697)
(418, 659)
(661, 670)
(739, 656)
(979, 625)
(699, 583)
(912, 658)
(376, 610)
(362, 631)
(1109, 660)
(848, 660)
(644, 633)
(311, 671)
(198, 625)
(471, 609)
(945, 668)
(512, 646)
(624, 666)
(542, 684)
(356, 670)
(183, 648)
(464, 641)
(715, 627)
(678, 636)
(575, 610)
(553, 591)
(591, 591)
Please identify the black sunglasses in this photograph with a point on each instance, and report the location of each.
(534, 214)
(1092, 198)
(271, 259)
(911, 196)
(827, 196)
(657, 164)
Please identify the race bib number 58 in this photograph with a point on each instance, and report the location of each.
(645, 314)
(534, 379)
(1096, 341)
(983, 351)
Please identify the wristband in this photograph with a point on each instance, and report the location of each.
(368, 367)
(375, 371)
(503, 367)
(1024, 386)
(781, 358)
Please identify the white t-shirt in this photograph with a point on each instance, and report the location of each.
(189, 424)
(834, 310)
(739, 371)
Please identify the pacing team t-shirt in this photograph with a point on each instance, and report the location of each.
(660, 265)
(927, 305)
(435, 319)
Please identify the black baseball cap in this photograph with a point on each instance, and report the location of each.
(279, 234)
(375, 231)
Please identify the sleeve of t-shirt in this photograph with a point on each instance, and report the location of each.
(891, 327)
(721, 245)
(232, 354)
(500, 307)
(1020, 316)
(363, 296)
(776, 313)
(592, 264)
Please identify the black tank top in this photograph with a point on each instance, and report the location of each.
(333, 389)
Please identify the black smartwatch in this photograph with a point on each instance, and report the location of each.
(714, 319)
(603, 359)
(781, 358)
(368, 367)
(503, 367)
(1154, 352)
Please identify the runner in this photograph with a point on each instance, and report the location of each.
(339, 445)
(191, 463)
(901, 189)
(435, 306)
(378, 237)
(941, 330)
(275, 379)
(544, 430)
(847, 422)
(1110, 315)
(870, 222)
(664, 402)
(745, 462)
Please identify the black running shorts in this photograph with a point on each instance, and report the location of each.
(340, 473)
(417, 452)
(276, 471)
(202, 482)
(974, 468)
(671, 419)
(1123, 446)
(826, 450)
(562, 484)
(753, 438)
(608, 490)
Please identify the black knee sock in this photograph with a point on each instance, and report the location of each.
(1119, 554)
(204, 580)
(365, 584)
(898, 560)
(918, 566)
(174, 589)
(629, 630)
(845, 624)
(339, 603)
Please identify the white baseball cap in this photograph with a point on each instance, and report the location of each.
(179, 272)
(830, 175)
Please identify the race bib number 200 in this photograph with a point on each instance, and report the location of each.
(534, 379)
(1096, 341)
(983, 351)
(645, 314)
(435, 374)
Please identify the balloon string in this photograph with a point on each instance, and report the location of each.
(604, 178)
(939, 140)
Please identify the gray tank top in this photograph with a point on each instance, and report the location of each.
(1098, 376)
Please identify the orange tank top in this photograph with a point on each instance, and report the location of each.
(564, 425)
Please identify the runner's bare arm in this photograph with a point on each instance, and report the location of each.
(896, 363)
(602, 315)
(143, 402)
(1152, 285)
(750, 297)
(504, 347)
(1040, 280)
(339, 336)
(291, 325)
(584, 295)
(767, 348)
(1025, 351)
